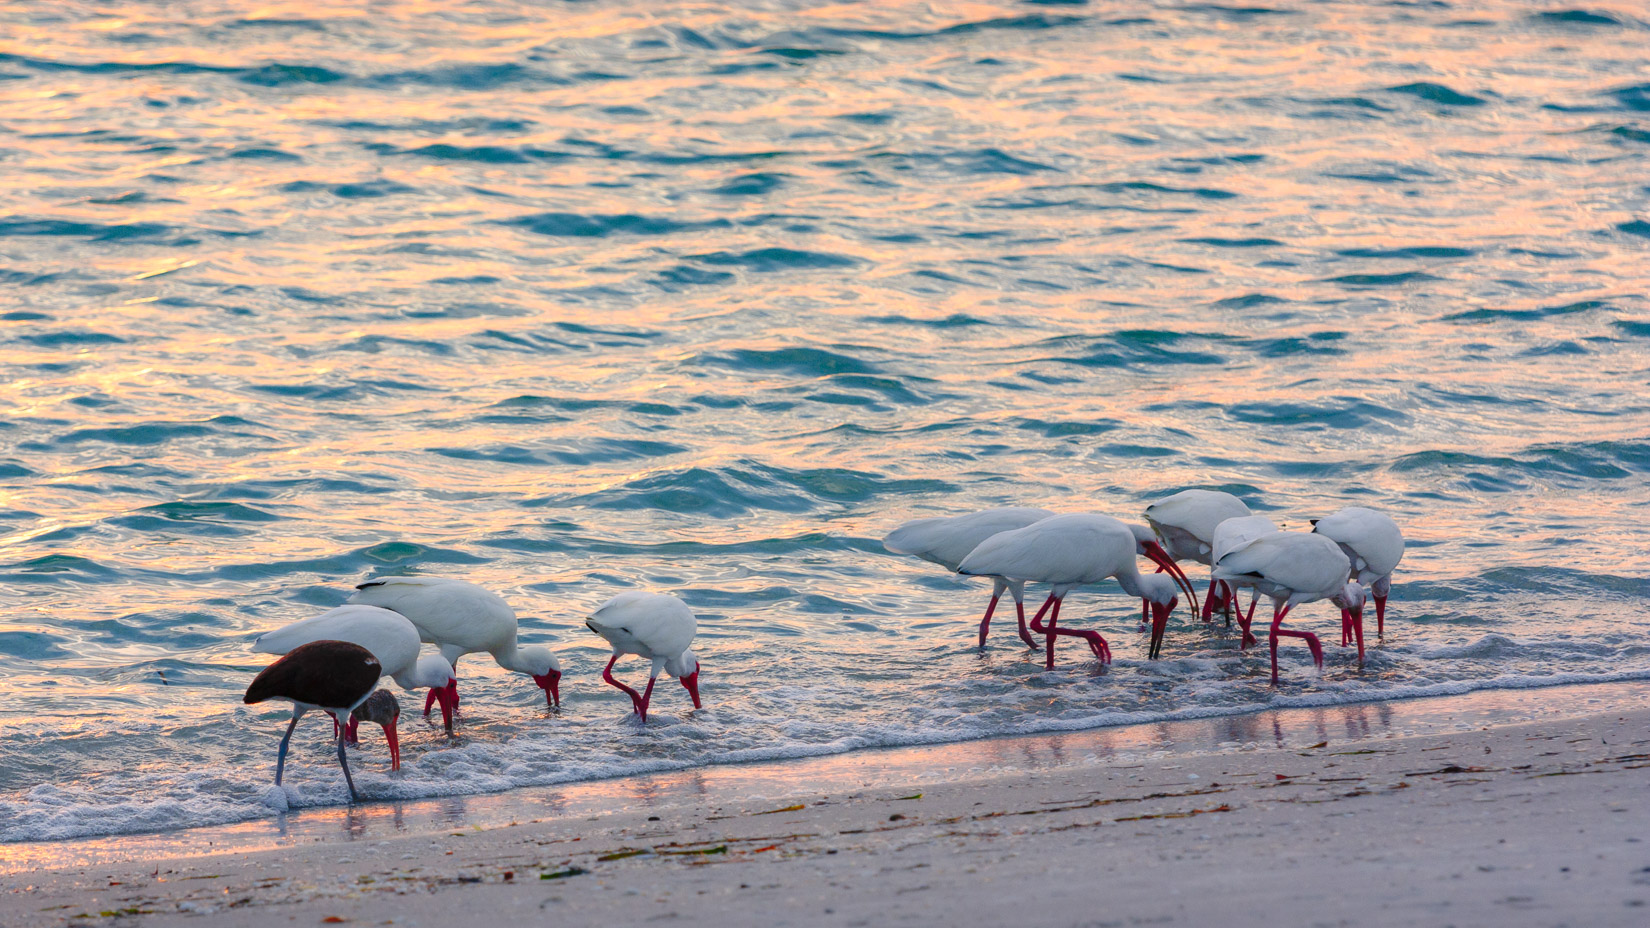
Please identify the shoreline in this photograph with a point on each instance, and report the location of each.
(861, 768)
(1521, 822)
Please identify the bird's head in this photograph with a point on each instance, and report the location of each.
(431, 670)
(1160, 590)
(685, 667)
(545, 670)
(383, 709)
(1351, 598)
(1146, 545)
(435, 672)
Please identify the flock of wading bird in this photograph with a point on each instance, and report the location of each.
(333, 661)
(1344, 553)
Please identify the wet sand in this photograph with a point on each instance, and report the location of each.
(1511, 821)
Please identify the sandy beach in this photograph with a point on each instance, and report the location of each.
(1526, 823)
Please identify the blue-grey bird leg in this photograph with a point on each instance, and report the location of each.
(280, 758)
(345, 764)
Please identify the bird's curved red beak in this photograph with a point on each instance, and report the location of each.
(448, 697)
(394, 740)
(1160, 621)
(1160, 557)
(691, 681)
(551, 684)
(1352, 625)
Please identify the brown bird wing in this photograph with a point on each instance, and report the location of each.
(334, 674)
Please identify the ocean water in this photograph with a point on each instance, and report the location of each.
(570, 298)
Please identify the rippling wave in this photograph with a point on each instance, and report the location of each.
(569, 298)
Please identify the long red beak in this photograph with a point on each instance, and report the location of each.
(551, 684)
(1160, 557)
(395, 744)
(1355, 619)
(1160, 621)
(448, 697)
(691, 681)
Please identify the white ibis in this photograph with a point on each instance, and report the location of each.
(1068, 551)
(388, 635)
(1293, 568)
(1186, 522)
(1374, 545)
(383, 710)
(1232, 535)
(946, 541)
(461, 618)
(333, 676)
(651, 625)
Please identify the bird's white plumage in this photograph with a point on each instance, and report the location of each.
(946, 541)
(1069, 550)
(1371, 540)
(1065, 550)
(1187, 520)
(445, 611)
(459, 618)
(1293, 566)
(388, 635)
(656, 626)
(1234, 534)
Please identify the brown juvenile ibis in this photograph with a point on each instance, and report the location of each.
(333, 676)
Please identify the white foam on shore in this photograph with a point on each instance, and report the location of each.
(225, 794)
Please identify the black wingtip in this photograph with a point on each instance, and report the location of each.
(1314, 522)
(369, 583)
